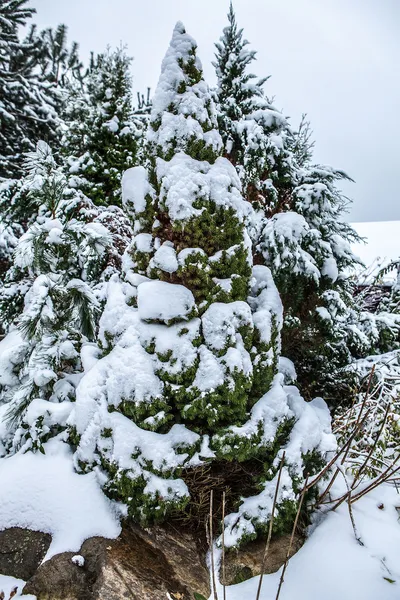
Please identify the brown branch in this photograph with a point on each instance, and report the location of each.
(336, 456)
(367, 458)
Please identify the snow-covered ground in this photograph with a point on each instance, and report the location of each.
(8, 584)
(332, 565)
(45, 494)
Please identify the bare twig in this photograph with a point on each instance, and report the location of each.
(271, 522)
(223, 545)
(353, 523)
(282, 578)
(212, 546)
(382, 478)
(344, 448)
(368, 457)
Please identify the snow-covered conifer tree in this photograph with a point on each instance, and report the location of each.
(27, 103)
(51, 300)
(59, 62)
(298, 232)
(255, 134)
(102, 134)
(190, 337)
(309, 252)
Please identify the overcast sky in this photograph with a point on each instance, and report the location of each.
(337, 60)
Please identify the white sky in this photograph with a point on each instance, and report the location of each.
(382, 241)
(337, 60)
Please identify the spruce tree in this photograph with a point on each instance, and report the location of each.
(255, 134)
(309, 252)
(27, 103)
(298, 229)
(102, 134)
(190, 336)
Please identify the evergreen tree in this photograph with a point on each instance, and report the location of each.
(298, 230)
(374, 320)
(102, 133)
(52, 299)
(59, 63)
(190, 337)
(27, 103)
(309, 252)
(255, 134)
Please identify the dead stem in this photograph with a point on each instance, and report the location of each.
(271, 522)
(223, 545)
(282, 578)
(212, 545)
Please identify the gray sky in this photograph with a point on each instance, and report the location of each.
(333, 59)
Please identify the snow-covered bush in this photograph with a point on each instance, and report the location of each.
(186, 373)
(27, 102)
(377, 406)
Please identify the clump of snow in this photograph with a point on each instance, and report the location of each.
(164, 302)
(165, 258)
(135, 189)
(265, 303)
(185, 181)
(288, 370)
(221, 323)
(78, 560)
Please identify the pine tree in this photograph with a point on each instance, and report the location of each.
(102, 134)
(52, 300)
(59, 63)
(190, 336)
(374, 321)
(27, 104)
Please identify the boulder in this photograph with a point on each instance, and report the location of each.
(22, 551)
(139, 565)
(160, 563)
(246, 562)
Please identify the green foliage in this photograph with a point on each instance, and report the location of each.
(28, 102)
(103, 135)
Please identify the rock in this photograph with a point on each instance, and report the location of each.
(60, 577)
(22, 551)
(246, 563)
(139, 565)
(154, 564)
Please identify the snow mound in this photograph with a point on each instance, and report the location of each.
(333, 565)
(164, 302)
(43, 493)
